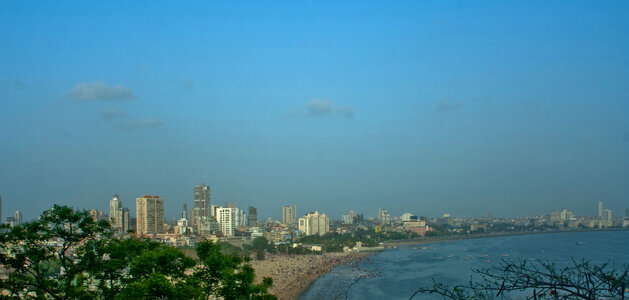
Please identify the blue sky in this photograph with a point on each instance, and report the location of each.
(435, 107)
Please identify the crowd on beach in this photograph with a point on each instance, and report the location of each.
(292, 274)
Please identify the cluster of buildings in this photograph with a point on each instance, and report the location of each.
(15, 219)
(565, 218)
(207, 221)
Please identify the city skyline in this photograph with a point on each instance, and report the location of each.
(423, 107)
(290, 213)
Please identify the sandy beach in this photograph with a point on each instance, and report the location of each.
(293, 274)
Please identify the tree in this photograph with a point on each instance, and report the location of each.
(541, 280)
(66, 255)
(227, 276)
(39, 255)
(138, 268)
(261, 243)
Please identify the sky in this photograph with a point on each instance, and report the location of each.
(516, 108)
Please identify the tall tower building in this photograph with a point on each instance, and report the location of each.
(115, 214)
(201, 211)
(19, 219)
(600, 209)
(0, 208)
(253, 217)
(150, 214)
(226, 218)
(289, 214)
(383, 217)
(125, 220)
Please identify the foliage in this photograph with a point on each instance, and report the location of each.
(227, 276)
(261, 243)
(134, 268)
(541, 280)
(66, 255)
(229, 249)
(39, 255)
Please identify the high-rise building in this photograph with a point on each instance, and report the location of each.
(182, 224)
(241, 218)
(253, 217)
(19, 219)
(226, 218)
(125, 220)
(115, 214)
(314, 223)
(96, 214)
(289, 214)
(201, 213)
(406, 217)
(627, 212)
(383, 217)
(600, 209)
(607, 215)
(349, 219)
(0, 208)
(346, 219)
(149, 215)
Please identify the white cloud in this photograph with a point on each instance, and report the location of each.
(98, 90)
(318, 107)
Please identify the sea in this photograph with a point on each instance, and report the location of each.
(397, 273)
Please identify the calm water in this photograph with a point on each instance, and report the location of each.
(397, 273)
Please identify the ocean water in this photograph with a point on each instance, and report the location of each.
(397, 273)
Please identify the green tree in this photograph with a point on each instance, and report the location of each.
(39, 255)
(134, 268)
(540, 280)
(227, 276)
(66, 255)
(261, 243)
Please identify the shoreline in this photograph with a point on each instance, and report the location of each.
(294, 274)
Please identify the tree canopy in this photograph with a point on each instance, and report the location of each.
(65, 254)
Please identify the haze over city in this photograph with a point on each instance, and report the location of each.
(431, 108)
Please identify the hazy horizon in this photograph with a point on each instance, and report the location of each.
(436, 107)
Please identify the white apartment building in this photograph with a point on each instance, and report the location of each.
(314, 223)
